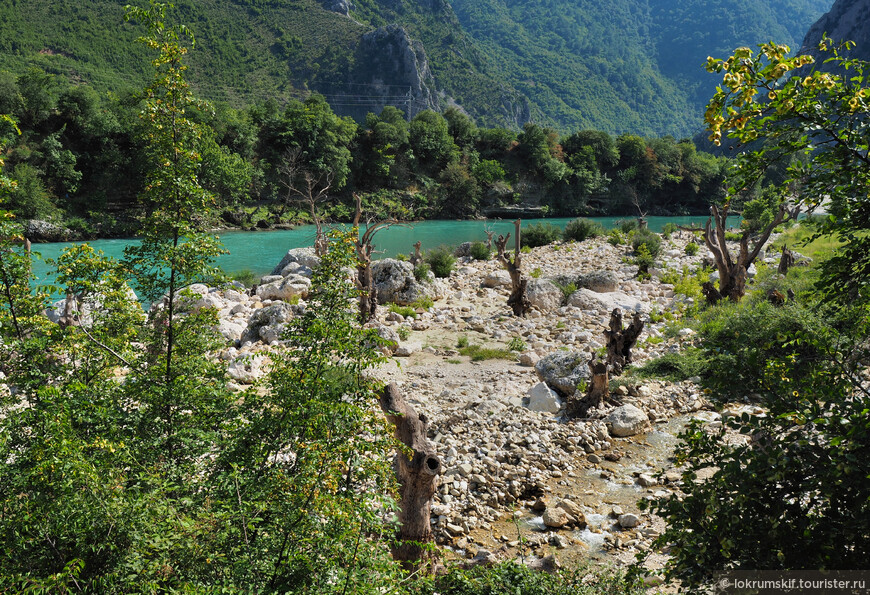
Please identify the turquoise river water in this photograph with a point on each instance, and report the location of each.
(260, 251)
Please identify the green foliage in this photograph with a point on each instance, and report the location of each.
(582, 229)
(479, 353)
(406, 311)
(423, 303)
(644, 260)
(526, 249)
(668, 229)
(509, 578)
(627, 226)
(540, 234)
(246, 277)
(441, 261)
(691, 249)
(404, 332)
(567, 289)
(650, 240)
(615, 237)
(793, 495)
(536, 273)
(517, 344)
(422, 271)
(689, 363)
(479, 251)
(462, 341)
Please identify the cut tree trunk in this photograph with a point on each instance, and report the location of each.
(597, 392)
(418, 255)
(518, 300)
(786, 261)
(620, 341)
(417, 476)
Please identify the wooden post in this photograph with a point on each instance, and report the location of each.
(786, 261)
(417, 476)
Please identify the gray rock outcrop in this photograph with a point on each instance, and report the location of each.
(544, 295)
(627, 420)
(37, 230)
(562, 371)
(300, 261)
(395, 282)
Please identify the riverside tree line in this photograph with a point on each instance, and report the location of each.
(80, 161)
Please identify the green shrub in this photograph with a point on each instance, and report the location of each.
(691, 249)
(404, 332)
(246, 277)
(479, 353)
(644, 260)
(525, 249)
(402, 257)
(479, 251)
(581, 229)
(540, 234)
(651, 240)
(567, 289)
(627, 226)
(423, 303)
(536, 273)
(615, 237)
(733, 236)
(668, 229)
(441, 261)
(406, 311)
(509, 578)
(517, 344)
(462, 341)
(421, 272)
(675, 367)
(670, 276)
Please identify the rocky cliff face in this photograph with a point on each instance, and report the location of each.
(389, 63)
(848, 20)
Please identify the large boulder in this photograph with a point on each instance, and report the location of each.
(89, 306)
(300, 261)
(266, 323)
(586, 299)
(500, 278)
(544, 295)
(462, 250)
(563, 370)
(627, 420)
(43, 231)
(395, 282)
(285, 289)
(543, 399)
(599, 281)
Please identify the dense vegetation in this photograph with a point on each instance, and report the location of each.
(79, 162)
(626, 66)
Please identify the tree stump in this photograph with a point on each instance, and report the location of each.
(786, 261)
(418, 255)
(518, 300)
(620, 341)
(597, 392)
(416, 476)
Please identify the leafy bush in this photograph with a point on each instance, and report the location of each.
(479, 353)
(406, 311)
(517, 344)
(509, 578)
(668, 229)
(536, 273)
(421, 272)
(462, 341)
(644, 260)
(479, 251)
(691, 249)
(540, 234)
(441, 261)
(246, 277)
(402, 257)
(404, 332)
(424, 303)
(615, 237)
(627, 226)
(567, 289)
(581, 229)
(676, 367)
(651, 240)
(792, 496)
(525, 249)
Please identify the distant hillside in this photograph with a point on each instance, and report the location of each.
(619, 65)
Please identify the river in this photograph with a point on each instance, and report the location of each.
(260, 251)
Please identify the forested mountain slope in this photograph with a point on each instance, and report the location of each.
(615, 65)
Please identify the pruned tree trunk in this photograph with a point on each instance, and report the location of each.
(786, 261)
(518, 301)
(620, 341)
(597, 392)
(70, 309)
(418, 255)
(417, 476)
(489, 235)
(368, 299)
(732, 273)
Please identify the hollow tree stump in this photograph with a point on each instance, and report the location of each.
(416, 476)
(418, 255)
(518, 300)
(620, 341)
(597, 392)
(786, 261)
